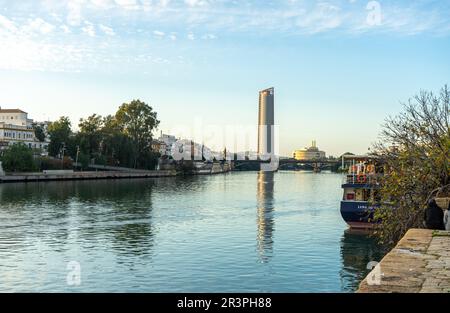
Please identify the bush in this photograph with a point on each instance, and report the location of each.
(18, 158)
(47, 163)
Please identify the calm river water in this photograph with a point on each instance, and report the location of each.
(238, 232)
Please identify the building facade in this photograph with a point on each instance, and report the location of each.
(159, 146)
(266, 122)
(169, 142)
(311, 153)
(16, 127)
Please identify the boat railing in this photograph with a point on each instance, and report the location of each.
(362, 179)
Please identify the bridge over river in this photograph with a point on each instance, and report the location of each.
(290, 163)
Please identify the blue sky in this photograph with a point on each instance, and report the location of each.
(339, 67)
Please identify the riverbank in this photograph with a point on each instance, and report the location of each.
(420, 263)
(104, 172)
(41, 177)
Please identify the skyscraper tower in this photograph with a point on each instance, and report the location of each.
(266, 122)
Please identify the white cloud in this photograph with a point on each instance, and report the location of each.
(158, 33)
(287, 16)
(89, 29)
(195, 3)
(104, 4)
(164, 3)
(27, 40)
(74, 12)
(7, 24)
(323, 17)
(209, 37)
(38, 25)
(25, 54)
(128, 4)
(107, 30)
(65, 29)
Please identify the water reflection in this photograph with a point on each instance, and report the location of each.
(116, 214)
(175, 235)
(265, 208)
(357, 250)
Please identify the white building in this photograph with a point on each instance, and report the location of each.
(159, 146)
(16, 127)
(169, 141)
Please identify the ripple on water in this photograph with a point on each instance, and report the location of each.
(248, 232)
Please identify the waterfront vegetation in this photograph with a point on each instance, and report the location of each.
(415, 149)
(18, 158)
(123, 139)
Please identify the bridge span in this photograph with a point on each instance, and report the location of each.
(290, 163)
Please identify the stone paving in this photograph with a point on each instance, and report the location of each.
(420, 263)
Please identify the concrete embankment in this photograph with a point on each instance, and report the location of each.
(37, 177)
(420, 263)
(105, 174)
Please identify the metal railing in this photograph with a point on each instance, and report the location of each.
(362, 179)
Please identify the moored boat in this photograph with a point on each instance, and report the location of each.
(361, 185)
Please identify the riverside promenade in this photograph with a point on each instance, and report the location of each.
(105, 172)
(420, 263)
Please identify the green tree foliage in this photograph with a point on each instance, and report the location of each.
(39, 133)
(123, 139)
(18, 158)
(415, 148)
(60, 134)
(138, 121)
(89, 137)
(116, 145)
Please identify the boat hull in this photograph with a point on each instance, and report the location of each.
(358, 214)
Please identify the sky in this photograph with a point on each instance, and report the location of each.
(339, 67)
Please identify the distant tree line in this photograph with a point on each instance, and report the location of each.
(123, 139)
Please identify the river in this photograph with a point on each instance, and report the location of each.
(236, 232)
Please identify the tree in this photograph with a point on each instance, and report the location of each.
(90, 135)
(138, 121)
(60, 134)
(116, 146)
(18, 158)
(39, 132)
(415, 149)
